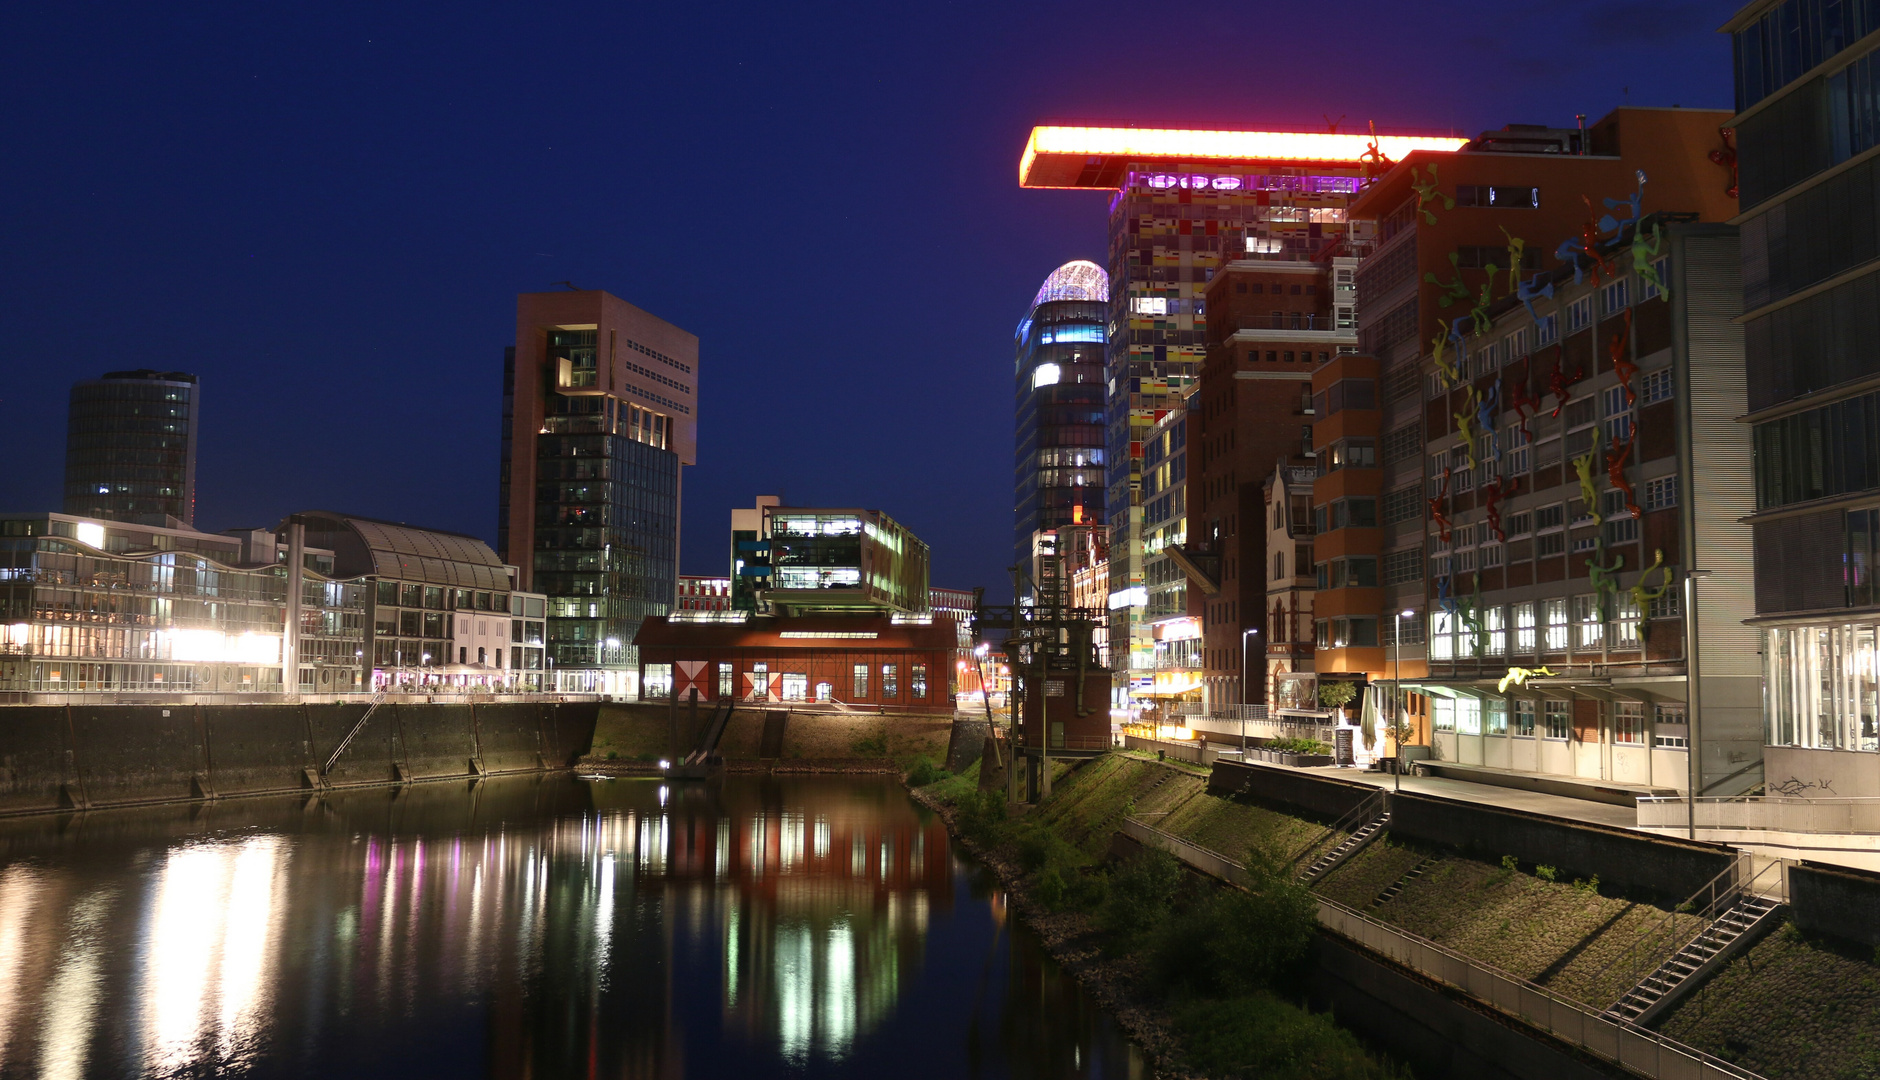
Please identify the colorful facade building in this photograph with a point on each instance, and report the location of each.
(703, 593)
(1811, 297)
(1175, 677)
(1058, 459)
(1507, 455)
(600, 415)
(1182, 204)
(1272, 324)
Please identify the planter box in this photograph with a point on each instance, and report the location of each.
(1310, 761)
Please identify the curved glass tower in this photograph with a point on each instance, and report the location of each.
(1058, 464)
(130, 448)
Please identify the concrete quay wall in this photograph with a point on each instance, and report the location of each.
(55, 757)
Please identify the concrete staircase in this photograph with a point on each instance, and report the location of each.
(1390, 891)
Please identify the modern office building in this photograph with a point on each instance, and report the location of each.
(600, 419)
(438, 606)
(1058, 461)
(95, 606)
(130, 448)
(829, 561)
(1524, 196)
(1811, 292)
(1181, 203)
(1273, 322)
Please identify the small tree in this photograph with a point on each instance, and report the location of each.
(1337, 695)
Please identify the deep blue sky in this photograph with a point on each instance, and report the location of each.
(325, 210)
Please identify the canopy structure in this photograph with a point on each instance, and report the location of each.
(1097, 157)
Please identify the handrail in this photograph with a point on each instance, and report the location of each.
(1366, 809)
(377, 700)
(1706, 915)
(1603, 1036)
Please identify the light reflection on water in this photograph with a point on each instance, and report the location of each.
(526, 926)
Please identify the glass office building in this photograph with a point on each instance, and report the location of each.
(1059, 457)
(599, 420)
(130, 448)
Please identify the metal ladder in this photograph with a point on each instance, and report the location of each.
(377, 700)
(1736, 908)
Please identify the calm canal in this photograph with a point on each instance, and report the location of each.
(528, 926)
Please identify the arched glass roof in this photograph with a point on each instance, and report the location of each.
(366, 546)
(1079, 279)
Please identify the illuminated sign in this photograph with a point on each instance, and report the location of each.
(90, 534)
(1045, 375)
(1066, 150)
(1149, 305)
(213, 646)
(1134, 597)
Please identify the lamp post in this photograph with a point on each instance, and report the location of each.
(1694, 709)
(1244, 635)
(1396, 692)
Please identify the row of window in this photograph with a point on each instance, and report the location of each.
(1531, 627)
(1469, 716)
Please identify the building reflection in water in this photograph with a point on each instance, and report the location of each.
(551, 937)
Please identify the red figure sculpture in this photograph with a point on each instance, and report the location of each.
(1492, 496)
(1622, 367)
(1562, 384)
(1525, 406)
(1436, 506)
(1726, 157)
(1615, 471)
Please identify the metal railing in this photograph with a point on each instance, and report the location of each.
(1846, 816)
(1619, 1042)
(1367, 809)
(1663, 939)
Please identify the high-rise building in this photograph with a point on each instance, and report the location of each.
(750, 552)
(1182, 203)
(1058, 460)
(130, 448)
(600, 418)
(1805, 78)
(1169, 607)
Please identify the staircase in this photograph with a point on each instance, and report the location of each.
(1390, 891)
(1742, 922)
(1345, 848)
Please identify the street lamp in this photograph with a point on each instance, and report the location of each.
(1396, 692)
(1244, 635)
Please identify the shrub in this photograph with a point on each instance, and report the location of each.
(1260, 1035)
(1141, 891)
(1509, 863)
(1235, 942)
(1545, 872)
(1587, 886)
(925, 772)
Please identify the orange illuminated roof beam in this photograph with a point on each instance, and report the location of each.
(1090, 157)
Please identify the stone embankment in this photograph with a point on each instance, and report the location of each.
(83, 757)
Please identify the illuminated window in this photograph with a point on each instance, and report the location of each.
(861, 681)
(890, 686)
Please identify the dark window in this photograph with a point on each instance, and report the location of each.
(1508, 198)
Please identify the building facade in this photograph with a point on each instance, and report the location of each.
(1058, 459)
(703, 593)
(1273, 323)
(828, 561)
(1804, 92)
(1290, 565)
(1175, 676)
(1456, 233)
(600, 419)
(884, 662)
(750, 553)
(1182, 204)
(130, 448)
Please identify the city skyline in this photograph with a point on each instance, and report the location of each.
(333, 224)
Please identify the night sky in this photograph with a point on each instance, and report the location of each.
(326, 210)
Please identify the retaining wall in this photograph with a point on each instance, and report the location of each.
(54, 757)
(1836, 900)
(1320, 796)
(1669, 869)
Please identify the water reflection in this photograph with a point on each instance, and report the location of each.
(525, 927)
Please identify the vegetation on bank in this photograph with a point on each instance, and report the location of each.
(1794, 1006)
(1222, 966)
